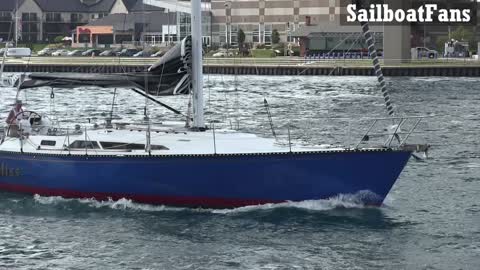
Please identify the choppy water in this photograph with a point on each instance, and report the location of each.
(431, 219)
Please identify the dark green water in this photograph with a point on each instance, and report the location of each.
(430, 220)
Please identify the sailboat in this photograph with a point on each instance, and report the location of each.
(5, 81)
(10, 79)
(194, 165)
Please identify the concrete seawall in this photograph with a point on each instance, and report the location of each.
(271, 70)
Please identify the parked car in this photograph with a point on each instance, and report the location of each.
(423, 52)
(219, 54)
(117, 50)
(75, 53)
(142, 54)
(107, 53)
(19, 52)
(45, 52)
(2, 51)
(91, 52)
(127, 52)
(158, 54)
(223, 54)
(61, 52)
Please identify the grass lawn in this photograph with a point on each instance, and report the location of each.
(262, 53)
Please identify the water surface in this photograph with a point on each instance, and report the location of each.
(430, 220)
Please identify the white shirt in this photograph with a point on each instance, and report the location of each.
(18, 114)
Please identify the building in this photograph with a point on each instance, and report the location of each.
(333, 37)
(7, 29)
(43, 20)
(157, 28)
(258, 19)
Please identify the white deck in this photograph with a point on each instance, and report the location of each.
(179, 141)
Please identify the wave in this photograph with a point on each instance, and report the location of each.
(473, 165)
(341, 201)
(121, 204)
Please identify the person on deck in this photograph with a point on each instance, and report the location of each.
(14, 118)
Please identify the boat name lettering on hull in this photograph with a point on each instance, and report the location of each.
(7, 171)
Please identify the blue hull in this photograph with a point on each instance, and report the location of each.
(206, 180)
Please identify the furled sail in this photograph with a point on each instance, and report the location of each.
(372, 51)
(171, 75)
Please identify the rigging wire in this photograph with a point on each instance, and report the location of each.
(236, 100)
(267, 108)
(145, 79)
(269, 115)
(225, 111)
(113, 103)
(53, 111)
(334, 48)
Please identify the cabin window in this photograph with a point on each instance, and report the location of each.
(129, 146)
(48, 143)
(84, 145)
(158, 147)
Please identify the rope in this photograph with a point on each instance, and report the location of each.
(349, 49)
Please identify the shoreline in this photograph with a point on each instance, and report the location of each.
(252, 66)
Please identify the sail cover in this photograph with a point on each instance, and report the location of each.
(171, 75)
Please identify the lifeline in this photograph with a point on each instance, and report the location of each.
(425, 13)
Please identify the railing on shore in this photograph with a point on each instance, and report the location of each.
(239, 61)
(290, 66)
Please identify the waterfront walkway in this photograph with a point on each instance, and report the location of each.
(277, 61)
(251, 66)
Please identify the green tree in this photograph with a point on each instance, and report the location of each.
(241, 36)
(275, 36)
(440, 42)
(464, 34)
(58, 39)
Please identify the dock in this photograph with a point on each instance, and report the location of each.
(280, 66)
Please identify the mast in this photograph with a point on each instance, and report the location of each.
(2, 67)
(197, 72)
(3, 59)
(16, 22)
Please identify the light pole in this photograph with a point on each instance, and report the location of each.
(228, 35)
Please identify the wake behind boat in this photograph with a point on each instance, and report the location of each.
(188, 164)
